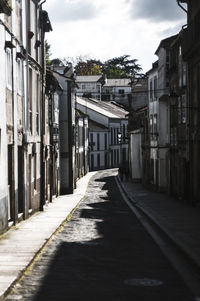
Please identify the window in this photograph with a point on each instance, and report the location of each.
(155, 87)
(19, 76)
(124, 132)
(115, 136)
(9, 68)
(121, 91)
(91, 141)
(0, 144)
(106, 160)
(29, 25)
(112, 158)
(183, 108)
(123, 155)
(151, 90)
(30, 100)
(105, 141)
(155, 121)
(98, 142)
(151, 124)
(37, 104)
(118, 156)
(36, 29)
(111, 135)
(35, 172)
(98, 160)
(92, 162)
(184, 75)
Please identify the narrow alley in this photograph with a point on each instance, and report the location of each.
(102, 252)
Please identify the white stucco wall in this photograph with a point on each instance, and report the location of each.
(3, 134)
(135, 155)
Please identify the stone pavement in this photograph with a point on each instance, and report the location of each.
(21, 244)
(178, 220)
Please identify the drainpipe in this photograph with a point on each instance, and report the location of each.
(25, 114)
(42, 120)
(183, 8)
(71, 172)
(14, 151)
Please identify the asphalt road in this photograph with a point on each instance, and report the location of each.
(102, 253)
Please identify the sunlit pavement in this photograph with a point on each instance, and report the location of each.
(103, 252)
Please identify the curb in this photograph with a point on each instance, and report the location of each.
(186, 251)
(44, 244)
(38, 252)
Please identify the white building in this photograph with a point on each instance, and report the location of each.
(22, 28)
(90, 86)
(106, 121)
(82, 144)
(66, 129)
(153, 114)
(163, 122)
(117, 89)
(99, 145)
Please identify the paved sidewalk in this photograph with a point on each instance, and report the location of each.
(21, 244)
(179, 221)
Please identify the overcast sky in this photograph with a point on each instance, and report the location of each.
(104, 29)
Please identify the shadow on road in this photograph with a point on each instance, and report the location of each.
(101, 250)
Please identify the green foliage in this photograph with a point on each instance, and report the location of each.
(118, 67)
(88, 67)
(121, 67)
(47, 52)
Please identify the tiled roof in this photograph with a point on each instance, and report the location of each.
(88, 78)
(109, 109)
(117, 82)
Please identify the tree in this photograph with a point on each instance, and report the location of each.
(118, 67)
(88, 67)
(122, 66)
(47, 52)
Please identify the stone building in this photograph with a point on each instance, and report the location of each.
(90, 86)
(118, 90)
(138, 129)
(106, 121)
(191, 55)
(67, 118)
(153, 115)
(22, 30)
(178, 100)
(82, 144)
(163, 53)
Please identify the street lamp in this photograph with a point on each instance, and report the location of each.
(119, 137)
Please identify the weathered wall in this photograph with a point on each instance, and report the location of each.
(135, 155)
(3, 139)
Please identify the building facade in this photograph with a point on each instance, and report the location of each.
(23, 25)
(163, 53)
(82, 145)
(118, 90)
(90, 86)
(67, 119)
(153, 114)
(191, 55)
(106, 121)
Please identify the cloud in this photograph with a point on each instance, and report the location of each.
(171, 30)
(72, 10)
(156, 10)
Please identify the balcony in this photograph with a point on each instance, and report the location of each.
(5, 7)
(191, 37)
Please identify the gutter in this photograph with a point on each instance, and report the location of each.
(183, 8)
